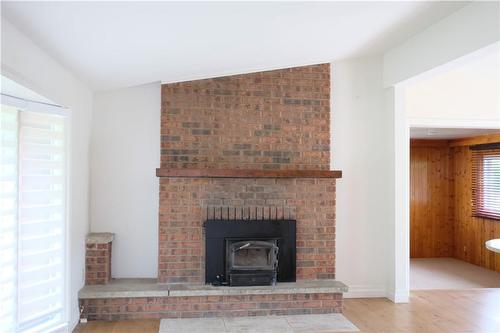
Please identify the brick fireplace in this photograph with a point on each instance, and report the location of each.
(243, 144)
(275, 120)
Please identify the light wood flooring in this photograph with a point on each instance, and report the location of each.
(436, 311)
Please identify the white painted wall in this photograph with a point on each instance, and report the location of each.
(125, 151)
(465, 90)
(469, 29)
(362, 149)
(26, 63)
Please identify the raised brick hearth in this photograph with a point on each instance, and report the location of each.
(144, 298)
(211, 306)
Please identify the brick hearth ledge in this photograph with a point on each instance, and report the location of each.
(119, 288)
(145, 298)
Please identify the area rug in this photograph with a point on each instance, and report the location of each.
(320, 323)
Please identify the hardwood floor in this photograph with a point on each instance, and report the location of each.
(436, 311)
(120, 326)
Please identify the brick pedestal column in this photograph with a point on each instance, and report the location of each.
(98, 258)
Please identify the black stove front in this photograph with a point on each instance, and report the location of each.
(250, 252)
(251, 262)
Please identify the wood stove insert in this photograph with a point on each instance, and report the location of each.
(250, 252)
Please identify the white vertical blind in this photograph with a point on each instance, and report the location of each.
(39, 221)
(8, 218)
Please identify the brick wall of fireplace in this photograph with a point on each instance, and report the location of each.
(275, 120)
(269, 120)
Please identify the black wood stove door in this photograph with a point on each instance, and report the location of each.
(264, 237)
(251, 254)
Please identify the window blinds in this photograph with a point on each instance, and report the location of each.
(8, 218)
(486, 182)
(37, 202)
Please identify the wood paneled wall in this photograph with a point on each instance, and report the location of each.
(470, 232)
(431, 200)
(441, 221)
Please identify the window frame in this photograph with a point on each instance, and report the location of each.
(479, 153)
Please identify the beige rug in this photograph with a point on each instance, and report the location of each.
(450, 273)
(320, 323)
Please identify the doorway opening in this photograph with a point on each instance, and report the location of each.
(459, 98)
(447, 234)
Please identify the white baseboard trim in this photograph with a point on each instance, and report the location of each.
(399, 296)
(365, 292)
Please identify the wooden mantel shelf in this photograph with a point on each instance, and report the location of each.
(241, 173)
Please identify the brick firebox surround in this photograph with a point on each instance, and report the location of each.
(274, 120)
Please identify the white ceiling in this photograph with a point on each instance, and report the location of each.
(449, 133)
(117, 44)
